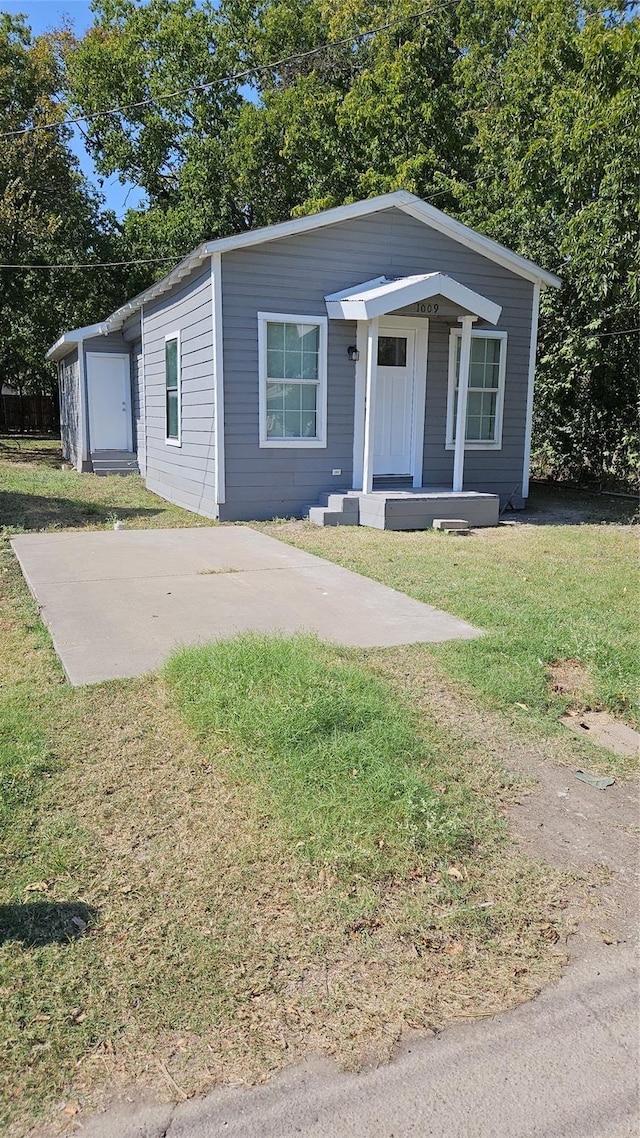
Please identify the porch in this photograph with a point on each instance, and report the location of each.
(393, 318)
(410, 508)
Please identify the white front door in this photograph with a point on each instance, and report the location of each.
(109, 398)
(394, 400)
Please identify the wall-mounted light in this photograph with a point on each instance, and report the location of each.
(353, 354)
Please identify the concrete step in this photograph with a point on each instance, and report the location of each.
(114, 462)
(322, 516)
(347, 503)
(451, 525)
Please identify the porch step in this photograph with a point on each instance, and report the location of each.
(114, 462)
(415, 509)
(322, 516)
(451, 525)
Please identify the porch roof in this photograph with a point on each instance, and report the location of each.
(382, 295)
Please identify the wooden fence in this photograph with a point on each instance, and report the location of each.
(29, 414)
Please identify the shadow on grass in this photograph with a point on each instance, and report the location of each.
(37, 923)
(37, 512)
(553, 505)
(43, 450)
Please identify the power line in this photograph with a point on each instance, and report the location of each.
(94, 264)
(236, 77)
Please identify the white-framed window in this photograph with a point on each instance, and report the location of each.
(292, 368)
(485, 396)
(173, 393)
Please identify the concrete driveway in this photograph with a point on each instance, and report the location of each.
(117, 603)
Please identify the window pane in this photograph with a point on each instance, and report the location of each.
(172, 414)
(292, 410)
(309, 396)
(275, 425)
(292, 364)
(309, 365)
(292, 393)
(392, 351)
(171, 363)
(275, 336)
(275, 363)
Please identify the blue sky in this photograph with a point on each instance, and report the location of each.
(42, 16)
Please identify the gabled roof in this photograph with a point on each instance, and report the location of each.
(400, 199)
(384, 294)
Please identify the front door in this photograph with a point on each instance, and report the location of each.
(394, 401)
(109, 398)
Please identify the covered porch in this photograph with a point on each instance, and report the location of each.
(391, 488)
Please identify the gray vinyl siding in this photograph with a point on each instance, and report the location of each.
(293, 275)
(69, 383)
(137, 405)
(185, 474)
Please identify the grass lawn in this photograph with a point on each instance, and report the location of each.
(545, 594)
(262, 852)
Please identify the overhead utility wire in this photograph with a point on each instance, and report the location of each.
(238, 75)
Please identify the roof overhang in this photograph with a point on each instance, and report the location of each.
(383, 295)
(71, 339)
(399, 199)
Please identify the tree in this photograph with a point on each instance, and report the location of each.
(553, 93)
(48, 215)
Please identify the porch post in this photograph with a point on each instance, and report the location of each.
(370, 394)
(461, 416)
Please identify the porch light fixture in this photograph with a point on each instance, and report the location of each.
(353, 354)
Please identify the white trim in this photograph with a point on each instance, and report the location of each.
(461, 416)
(122, 356)
(533, 344)
(382, 295)
(486, 246)
(370, 396)
(421, 367)
(359, 405)
(171, 442)
(67, 342)
(400, 199)
(144, 393)
(320, 322)
(218, 379)
(419, 325)
(482, 334)
(83, 423)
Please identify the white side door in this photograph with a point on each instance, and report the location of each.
(109, 398)
(394, 400)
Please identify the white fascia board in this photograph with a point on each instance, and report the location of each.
(367, 302)
(486, 246)
(70, 340)
(306, 224)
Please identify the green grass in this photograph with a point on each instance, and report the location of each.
(335, 758)
(36, 494)
(247, 900)
(542, 593)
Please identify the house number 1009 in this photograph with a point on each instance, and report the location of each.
(426, 309)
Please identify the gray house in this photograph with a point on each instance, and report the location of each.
(373, 363)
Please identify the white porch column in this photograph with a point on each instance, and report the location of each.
(369, 406)
(461, 416)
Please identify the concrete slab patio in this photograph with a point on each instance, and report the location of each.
(118, 602)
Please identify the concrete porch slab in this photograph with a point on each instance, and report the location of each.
(118, 603)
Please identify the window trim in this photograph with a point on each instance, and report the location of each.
(169, 440)
(477, 334)
(320, 322)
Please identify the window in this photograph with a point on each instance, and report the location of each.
(485, 393)
(172, 388)
(392, 351)
(293, 381)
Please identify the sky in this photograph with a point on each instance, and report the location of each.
(42, 16)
